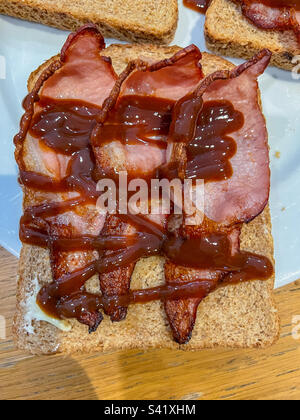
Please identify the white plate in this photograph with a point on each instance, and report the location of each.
(24, 46)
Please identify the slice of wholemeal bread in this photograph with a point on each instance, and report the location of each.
(235, 316)
(228, 32)
(135, 20)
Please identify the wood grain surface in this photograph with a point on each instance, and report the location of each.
(272, 374)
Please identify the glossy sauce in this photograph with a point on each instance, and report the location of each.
(71, 307)
(204, 130)
(210, 151)
(65, 298)
(138, 120)
(200, 6)
(66, 127)
(214, 251)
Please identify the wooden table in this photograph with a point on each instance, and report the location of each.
(220, 374)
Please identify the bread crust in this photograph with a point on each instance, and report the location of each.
(243, 315)
(157, 24)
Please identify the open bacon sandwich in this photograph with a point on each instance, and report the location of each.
(105, 125)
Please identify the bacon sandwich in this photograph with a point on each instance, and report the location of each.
(93, 280)
(240, 28)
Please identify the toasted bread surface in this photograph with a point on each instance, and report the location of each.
(134, 20)
(228, 32)
(242, 315)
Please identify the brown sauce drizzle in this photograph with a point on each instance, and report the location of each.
(138, 120)
(204, 128)
(215, 251)
(65, 298)
(216, 121)
(66, 127)
(200, 6)
(71, 306)
(52, 125)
